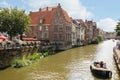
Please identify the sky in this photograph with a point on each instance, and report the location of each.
(105, 13)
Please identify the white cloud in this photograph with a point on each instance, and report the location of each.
(37, 3)
(4, 4)
(107, 24)
(74, 7)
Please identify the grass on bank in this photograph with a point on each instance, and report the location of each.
(24, 62)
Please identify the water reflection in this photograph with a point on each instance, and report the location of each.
(72, 64)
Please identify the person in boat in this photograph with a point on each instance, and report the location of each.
(102, 64)
(97, 64)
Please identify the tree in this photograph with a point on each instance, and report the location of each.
(14, 21)
(118, 29)
(5, 21)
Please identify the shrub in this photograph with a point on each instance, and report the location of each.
(20, 63)
(24, 62)
(45, 54)
(99, 38)
(96, 40)
(34, 56)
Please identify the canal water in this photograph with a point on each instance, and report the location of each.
(71, 64)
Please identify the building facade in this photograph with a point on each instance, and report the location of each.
(91, 31)
(52, 25)
(80, 31)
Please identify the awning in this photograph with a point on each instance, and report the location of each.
(3, 38)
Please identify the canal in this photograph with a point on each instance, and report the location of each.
(71, 64)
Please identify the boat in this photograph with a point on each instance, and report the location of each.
(101, 72)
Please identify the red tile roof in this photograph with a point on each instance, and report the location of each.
(47, 15)
(66, 16)
(81, 22)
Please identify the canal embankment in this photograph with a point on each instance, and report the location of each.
(12, 53)
(116, 57)
(17, 55)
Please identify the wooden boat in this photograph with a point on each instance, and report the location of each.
(100, 72)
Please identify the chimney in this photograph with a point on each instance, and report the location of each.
(59, 5)
(40, 9)
(30, 11)
(46, 8)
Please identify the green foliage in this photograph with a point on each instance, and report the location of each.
(14, 21)
(34, 57)
(97, 39)
(24, 62)
(5, 20)
(20, 63)
(45, 54)
(118, 28)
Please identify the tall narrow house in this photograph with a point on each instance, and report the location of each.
(52, 25)
(91, 30)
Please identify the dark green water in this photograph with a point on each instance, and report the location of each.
(72, 64)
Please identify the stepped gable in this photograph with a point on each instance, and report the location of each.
(47, 14)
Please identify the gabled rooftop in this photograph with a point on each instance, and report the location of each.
(47, 14)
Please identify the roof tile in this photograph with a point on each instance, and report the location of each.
(47, 14)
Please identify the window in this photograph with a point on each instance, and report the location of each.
(41, 35)
(55, 36)
(46, 28)
(68, 28)
(61, 37)
(46, 35)
(41, 20)
(60, 28)
(40, 27)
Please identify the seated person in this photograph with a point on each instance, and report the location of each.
(104, 65)
(101, 64)
(97, 65)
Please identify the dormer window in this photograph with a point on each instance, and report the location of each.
(41, 20)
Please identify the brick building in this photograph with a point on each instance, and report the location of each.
(91, 31)
(52, 25)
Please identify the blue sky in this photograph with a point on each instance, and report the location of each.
(104, 12)
(103, 8)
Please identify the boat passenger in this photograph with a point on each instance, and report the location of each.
(104, 65)
(101, 64)
(97, 65)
